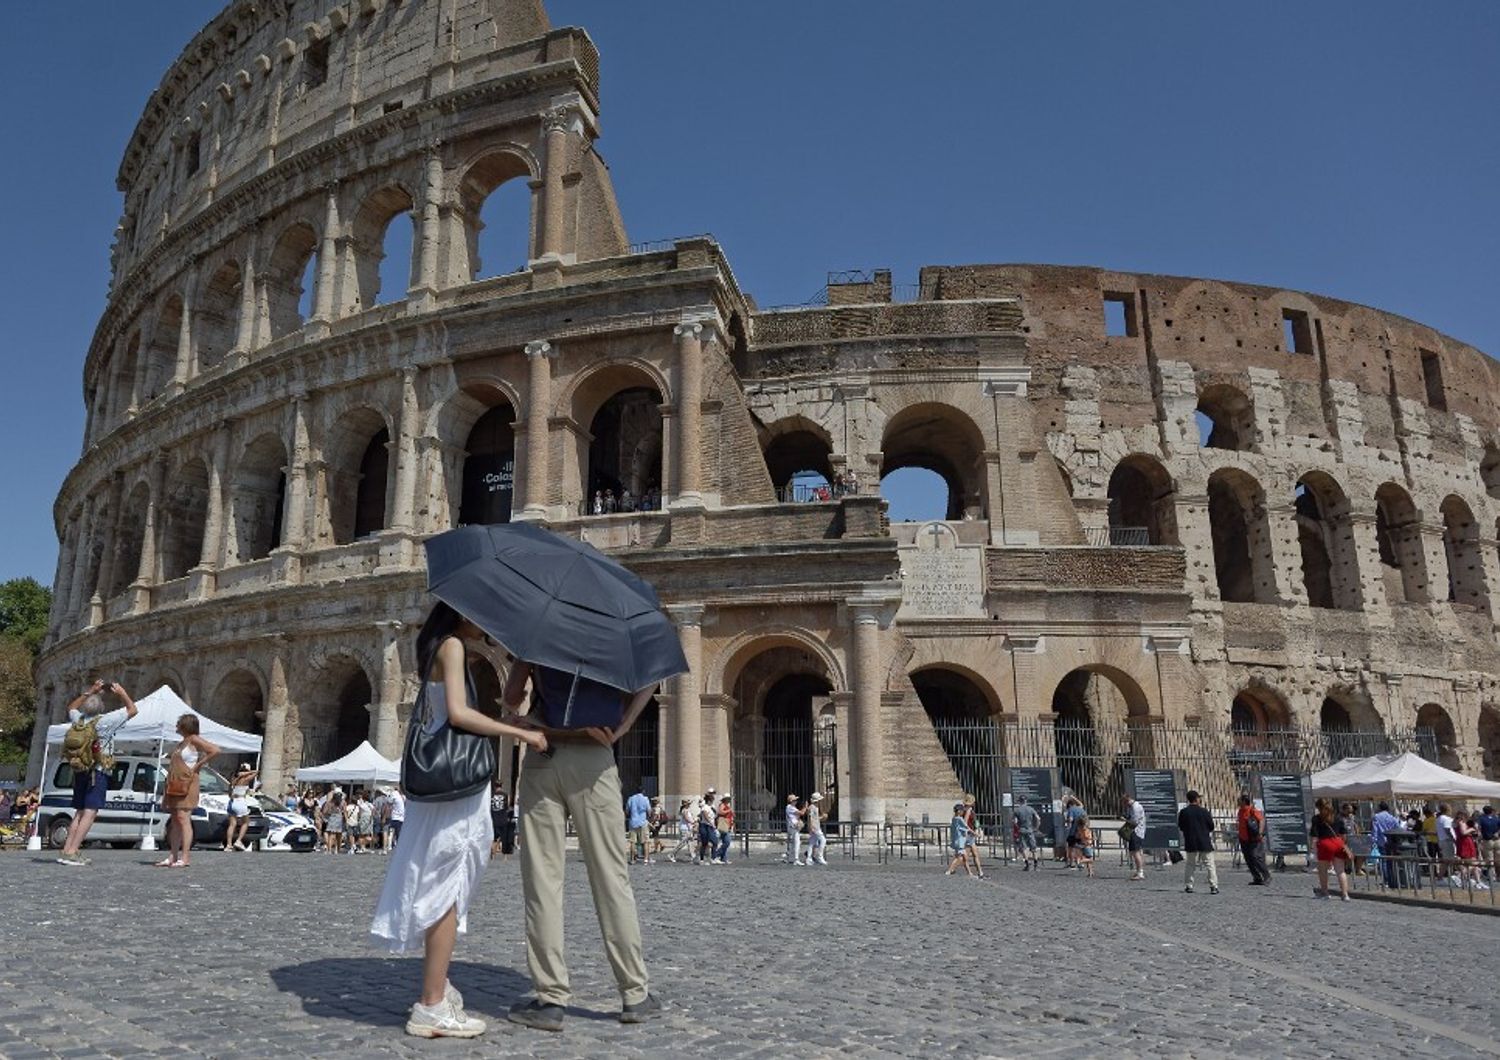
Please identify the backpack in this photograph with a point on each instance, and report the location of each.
(1252, 826)
(80, 746)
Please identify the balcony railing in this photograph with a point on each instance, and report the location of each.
(1119, 536)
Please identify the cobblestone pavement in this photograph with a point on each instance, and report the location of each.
(263, 955)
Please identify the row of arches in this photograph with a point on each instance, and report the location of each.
(1142, 495)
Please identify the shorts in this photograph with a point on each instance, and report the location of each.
(1445, 848)
(1026, 841)
(1489, 849)
(1331, 850)
(959, 848)
(1134, 844)
(638, 835)
(90, 790)
(395, 827)
(239, 808)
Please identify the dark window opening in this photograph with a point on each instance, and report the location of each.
(315, 63)
(391, 108)
(194, 155)
(1432, 375)
(1296, 331)
(1119, 315)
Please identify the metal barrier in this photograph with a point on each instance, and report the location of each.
(1433, 879)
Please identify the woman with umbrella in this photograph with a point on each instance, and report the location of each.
(434, 871)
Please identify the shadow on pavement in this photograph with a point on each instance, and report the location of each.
(379, 990)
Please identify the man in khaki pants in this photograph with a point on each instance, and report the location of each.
(577, 778)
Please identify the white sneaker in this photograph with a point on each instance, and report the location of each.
(822, 862)
(443, 1020)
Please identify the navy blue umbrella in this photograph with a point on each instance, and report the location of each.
(554, 601)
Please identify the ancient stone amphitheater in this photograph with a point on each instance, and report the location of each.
(1214, 526)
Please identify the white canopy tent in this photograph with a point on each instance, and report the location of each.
(1399, 776)
(362, 763)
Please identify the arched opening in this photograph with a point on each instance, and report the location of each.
(337, 717)
(1142, 503)
(489, 470)
(1466, 581)
(1330, 564)
(797, 456)
(499, 215)
(132, 536)
(1099, 732)
(1489, 740)
(783, 739)
(239, 702)
(1260, 734)
(963, 717)
(161, 348)
(383, 236)
(1437, 739)
(918, 495)
(1398, 533)
(1243, 563)
(285, 272)
(944, 441)
(216, 316)
(1350, 726)
(1226, 418)
(358, 470)
(257, 497)
(1489, 471)
(625, 453)
(636, 754)
(183, 515)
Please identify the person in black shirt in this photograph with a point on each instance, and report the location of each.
(1197, 827)
(1330, 848)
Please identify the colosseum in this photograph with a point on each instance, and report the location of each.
(1211, 526)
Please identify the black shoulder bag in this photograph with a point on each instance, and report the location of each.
(448, 763)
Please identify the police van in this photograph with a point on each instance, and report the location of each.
(126, 815)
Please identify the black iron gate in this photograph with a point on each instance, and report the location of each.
(774, 758)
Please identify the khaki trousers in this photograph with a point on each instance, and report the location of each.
(1192, 859)
(579, 781)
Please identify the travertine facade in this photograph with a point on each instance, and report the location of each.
(271, 435)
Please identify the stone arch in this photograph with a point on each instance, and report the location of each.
(1325, 534)
(948, 690)
(1243, 560)
(481, 177)
(1433, 718)
(796, 448)
(1350, 725)
(286, 268)
(1489, 740)
(946, 441)
(1489, 470)
(1466, 580)
(1260, 720)
(722, 676)
(1142, 497)
(239, 700)
(359, 470)
(378, 213)
(488, 476)
(216, 315)
(621, 404)
(335, 714)
(257, 498)
(1098, 732)
(1230, 416)
(184, 513)
(131, 539)
(1398, 535)
(1099, 693)
(161, 347)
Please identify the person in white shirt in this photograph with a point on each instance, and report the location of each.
(1447, 841)
(793, 855)
(816, 841)
(90, 772)
(1135, 817)
(398, 815)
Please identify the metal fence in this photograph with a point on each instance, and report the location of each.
(1117, 536)
(777, 757)
(637, 759)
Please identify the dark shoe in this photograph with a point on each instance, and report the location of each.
(537, 1015)
(646, 1008)
(1213, 890)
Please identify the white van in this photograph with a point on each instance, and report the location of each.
(127, 809)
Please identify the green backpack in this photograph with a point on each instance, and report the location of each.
(80, 746)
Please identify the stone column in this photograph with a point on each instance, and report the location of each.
(1367, 556)
(273, 745)
(78, 592)
(867, 804)
(294, 523)
(146, 574)
(142, 362)
(429, 234)
(244, 338)
(214, 544)
(113, 518)
(384, 720)
(682, 759)
(690, 338)
(407, 429)
(186, 367)
(324, 309)
(62, 590)
(538, 409)
(555, 125)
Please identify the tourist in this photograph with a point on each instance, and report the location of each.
(1348, 826)
(1197, 827)
(187, 761)
(1381, 826)
(1329, 848)
(367, 828)
(239, 807)
(1251, 827)
(598, 508)
(88, 748)
(1446, 840)
(1489, 843)
(1086, 846)
(398, 815)
(432, 878)
(307, 805)
(499, 811)
(380, 813)
(1027, 821)
(331, 816)
(1429, 830)
(579, 778)
(351, 821)
(658, 820)
(1073, 817)
(637, 812)
(1133, 833)
(971, 818)
(1466, 850)
(609, 502)
(793, 855)
(708, 837)
(958, 841)
(724, 827)
(687, 831)
(817, 842)
(627, 500)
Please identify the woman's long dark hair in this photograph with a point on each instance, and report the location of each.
(442, 623)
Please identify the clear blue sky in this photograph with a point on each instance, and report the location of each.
(1350, 148)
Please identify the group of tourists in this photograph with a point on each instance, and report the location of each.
(606, 502)
(705, 828)
(353, 822)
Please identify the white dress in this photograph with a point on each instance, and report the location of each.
(443, 848)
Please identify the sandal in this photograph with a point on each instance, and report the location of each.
(164, 863)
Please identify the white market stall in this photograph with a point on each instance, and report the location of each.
(1398, 776)
(154, 724)
(364, 763)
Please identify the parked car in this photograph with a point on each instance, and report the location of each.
(127, 813)
(285, 829)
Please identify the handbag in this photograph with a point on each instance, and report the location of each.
(178, 785)
(446, 763)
